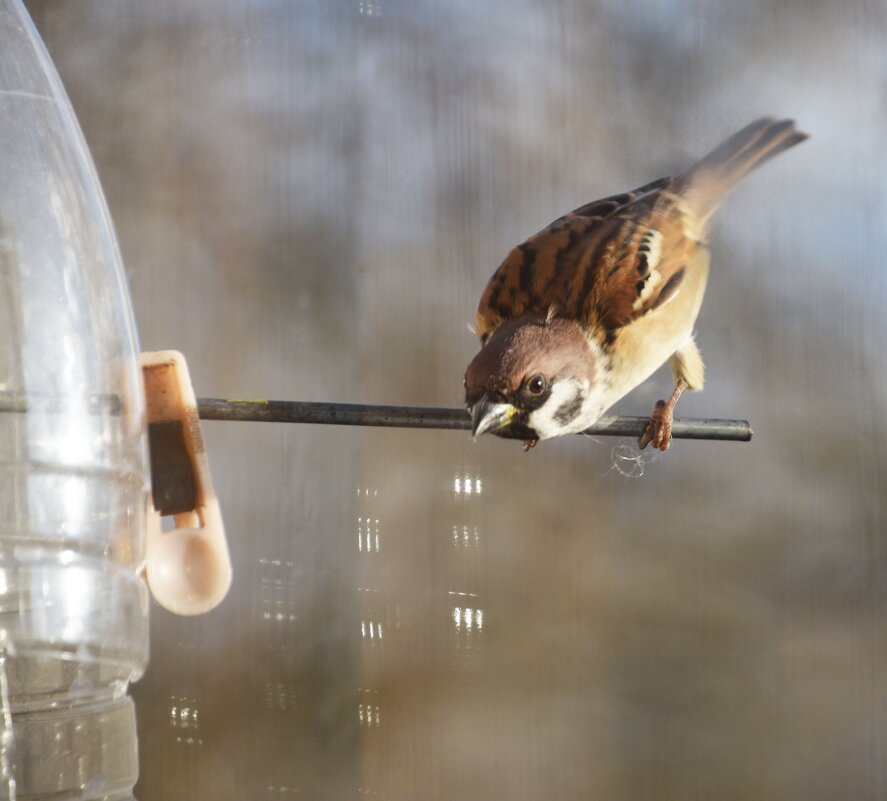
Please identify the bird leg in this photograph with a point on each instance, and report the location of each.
(658, 430)
(529, 443)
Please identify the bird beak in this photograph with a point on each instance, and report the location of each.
(487, 416)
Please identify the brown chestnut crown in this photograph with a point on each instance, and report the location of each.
(522, 349)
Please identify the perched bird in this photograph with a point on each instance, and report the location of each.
(584, 311)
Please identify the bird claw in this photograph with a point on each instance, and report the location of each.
(529, 443)
(658, 430)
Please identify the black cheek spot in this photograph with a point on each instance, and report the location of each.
(569, 410)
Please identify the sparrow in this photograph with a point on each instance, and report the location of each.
(588, 308)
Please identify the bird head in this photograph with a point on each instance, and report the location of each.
(533, 379)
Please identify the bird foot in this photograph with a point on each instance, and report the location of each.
(658, 430)
(529, 443)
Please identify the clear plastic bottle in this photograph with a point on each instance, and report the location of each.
(73, 469)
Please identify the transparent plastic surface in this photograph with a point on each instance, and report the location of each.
(73, 615)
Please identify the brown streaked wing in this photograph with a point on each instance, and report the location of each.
(590, 263)
(632, 286)
(608, 205)
(538, 273)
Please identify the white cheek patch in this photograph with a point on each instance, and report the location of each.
(563, 412)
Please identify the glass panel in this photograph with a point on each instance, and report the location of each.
(310, 198)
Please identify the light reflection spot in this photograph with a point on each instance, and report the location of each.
(465, 484)
(468, 620)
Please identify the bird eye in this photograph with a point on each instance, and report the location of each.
(536, 385)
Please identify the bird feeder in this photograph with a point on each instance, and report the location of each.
(74, 475)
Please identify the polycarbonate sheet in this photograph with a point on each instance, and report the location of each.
(310, 197)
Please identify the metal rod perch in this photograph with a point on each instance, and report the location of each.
(356, 414)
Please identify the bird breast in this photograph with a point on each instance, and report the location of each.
(646, 344)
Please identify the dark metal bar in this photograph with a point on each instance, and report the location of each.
(358, 414)
(355, 414)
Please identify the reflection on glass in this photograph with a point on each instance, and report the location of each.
(279, 591)
(468, 620)
(466, 536)
(467, 485)
(367, 535)
(184, 717)
(369, 715)
(280, 697)
(369, 9)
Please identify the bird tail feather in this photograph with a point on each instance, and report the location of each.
(711, 178)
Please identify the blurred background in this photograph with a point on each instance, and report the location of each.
(310, 197)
